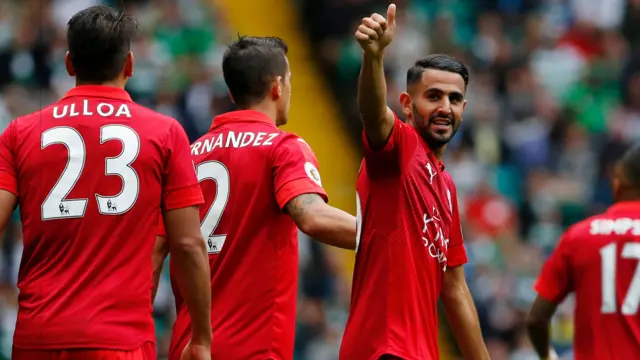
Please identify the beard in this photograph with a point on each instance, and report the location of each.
(433, 130)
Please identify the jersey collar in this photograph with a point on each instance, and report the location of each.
(241, 115)
(624, 207)
(100, 91)
(432, 157)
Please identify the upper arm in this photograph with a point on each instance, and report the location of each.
(179, 182)
(378, 131)
(301, 207)
(542, 310)
(555, 280)
(183, 227)
(454, 283)
(295, 171)
(385, 157)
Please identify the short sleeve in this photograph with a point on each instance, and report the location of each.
(457, 254)
(389, 157)
(295, 171)
(555, 281)
(8, 171)
(179, 184)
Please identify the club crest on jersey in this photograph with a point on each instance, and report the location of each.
(432, 173)
(312, 173)
(434, 239)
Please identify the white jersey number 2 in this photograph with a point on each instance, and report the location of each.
(216, 171)
(57, 206)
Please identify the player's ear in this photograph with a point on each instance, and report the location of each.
(128, 65)
(276, 88)
(406, 102)
(230, 98)
(67, 63)
(617, 182)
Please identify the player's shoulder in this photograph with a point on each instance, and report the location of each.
(294, 141)
(584, 228)
(31, 119)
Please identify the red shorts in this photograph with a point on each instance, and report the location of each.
(145, 352)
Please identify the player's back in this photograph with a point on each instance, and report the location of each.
(89, 172)
(245, 164)
(598, 259)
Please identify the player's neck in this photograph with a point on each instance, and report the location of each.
(265, 108)
(630, 196)
(438, 152)
(115, 83)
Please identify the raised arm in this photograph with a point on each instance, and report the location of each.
(373, 35)
(323, 222)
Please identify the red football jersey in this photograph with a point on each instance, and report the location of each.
(408, 233)
(91, 172)
(599, 260)
(249, 170)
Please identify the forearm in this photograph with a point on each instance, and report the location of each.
(465, 325)
(540, 335)
(192, 275)
(333, 227)
(323, 222)
(372, 90)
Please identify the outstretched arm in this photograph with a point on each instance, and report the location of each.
(322, 222)
(462, 314)
(374, 34)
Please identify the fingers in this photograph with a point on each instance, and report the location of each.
(391, 14)
(380, 20)
(369, 32)
(361, 36)
(372, 28)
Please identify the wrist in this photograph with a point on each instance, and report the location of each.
(373, 56)
(201, 337)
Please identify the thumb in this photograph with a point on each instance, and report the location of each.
(391, 15)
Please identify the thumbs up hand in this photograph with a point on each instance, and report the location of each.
(376, 32)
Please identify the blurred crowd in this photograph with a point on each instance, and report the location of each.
(554, 97)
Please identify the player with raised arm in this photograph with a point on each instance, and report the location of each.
(259, 183)
(598, 259)
(91, 173)
(410, 250)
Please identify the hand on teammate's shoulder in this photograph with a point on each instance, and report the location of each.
(375, 32)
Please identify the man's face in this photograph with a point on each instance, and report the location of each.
(284, 102)
(434, 106)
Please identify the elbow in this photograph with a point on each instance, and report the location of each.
(310, 225)
(534, 323)
(188, 245)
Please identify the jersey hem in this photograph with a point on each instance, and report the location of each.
(85, 345)
(393, 352)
